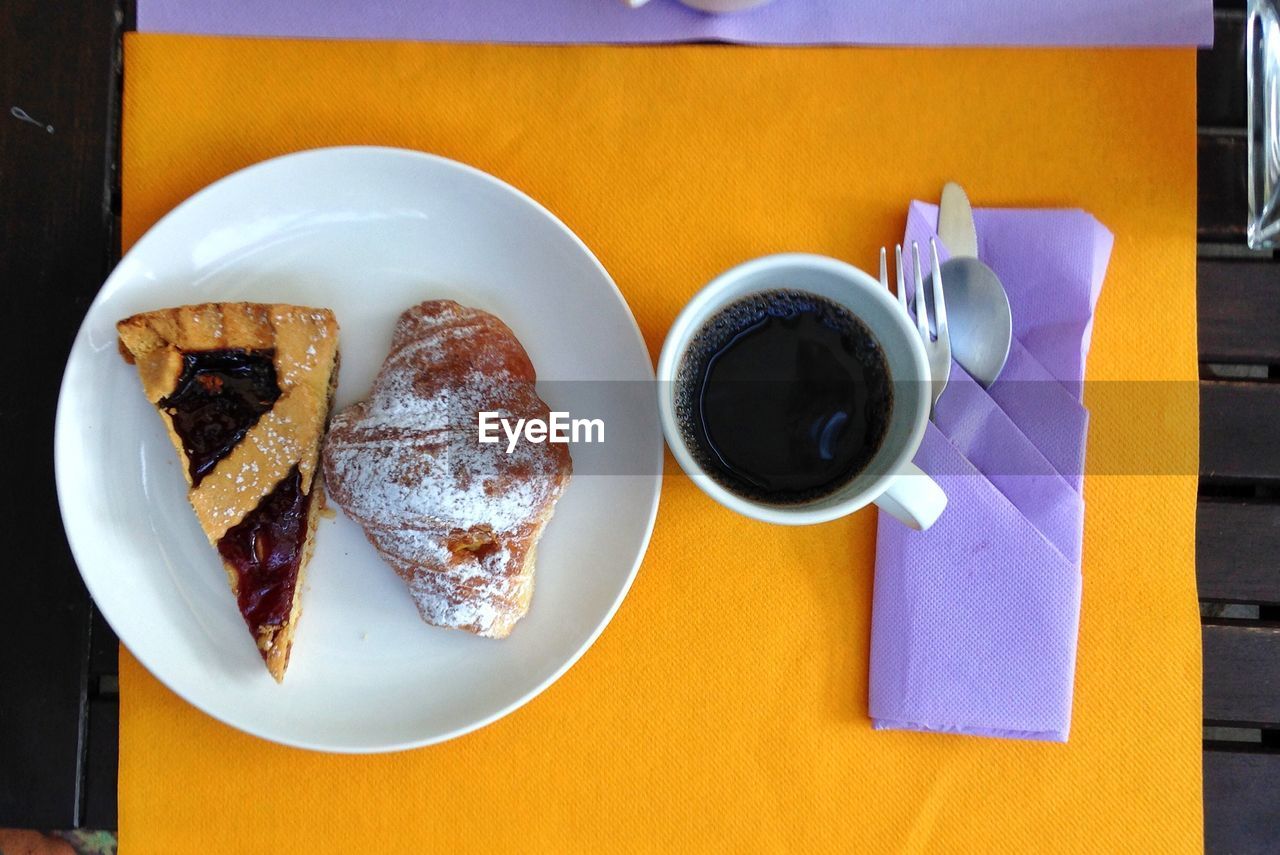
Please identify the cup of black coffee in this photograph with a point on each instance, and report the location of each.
(794, 390)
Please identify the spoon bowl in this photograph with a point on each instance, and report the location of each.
(979, 318)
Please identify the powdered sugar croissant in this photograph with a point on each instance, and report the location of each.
(458, 520)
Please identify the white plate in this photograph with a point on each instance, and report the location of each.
(366, 232)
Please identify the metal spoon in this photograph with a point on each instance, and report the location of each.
(977, 305)
(980, 320)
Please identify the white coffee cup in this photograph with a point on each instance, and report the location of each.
(890, 480)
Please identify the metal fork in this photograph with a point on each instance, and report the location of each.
(937, 346)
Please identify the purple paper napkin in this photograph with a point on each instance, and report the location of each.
(994, 445)
(782, 22)
(974, 621)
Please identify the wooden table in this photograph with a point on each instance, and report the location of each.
(59, 237)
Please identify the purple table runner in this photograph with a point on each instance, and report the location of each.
(782, 22)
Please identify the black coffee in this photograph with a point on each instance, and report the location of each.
(784, 397)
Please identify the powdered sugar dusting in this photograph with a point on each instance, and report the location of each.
(457, 519)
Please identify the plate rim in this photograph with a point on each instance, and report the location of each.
(81, 550)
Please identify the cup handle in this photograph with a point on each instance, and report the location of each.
(913, 498)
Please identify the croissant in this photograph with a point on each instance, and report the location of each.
(458, 520)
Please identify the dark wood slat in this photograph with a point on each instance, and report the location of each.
(1240, 431)
(1242, 673)
(1220, 75)
(1237, 559)
(1238, 552)
(101, 769)
(1241, 809)
(1223, 204)
(1239, 309)
(104, 648)
(55, 239)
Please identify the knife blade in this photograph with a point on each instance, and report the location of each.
(955, 222)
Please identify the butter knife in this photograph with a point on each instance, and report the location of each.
(977, 305)
(955, 222)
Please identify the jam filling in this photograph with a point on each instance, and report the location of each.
(219, 397)
(265, 548)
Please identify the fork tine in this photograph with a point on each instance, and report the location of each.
(884, 268)
(922, 313)
(939, 304)
(902, 280)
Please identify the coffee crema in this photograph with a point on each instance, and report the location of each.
(783, 397)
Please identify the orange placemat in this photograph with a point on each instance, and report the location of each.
(725, 707)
